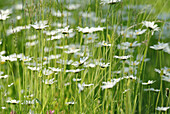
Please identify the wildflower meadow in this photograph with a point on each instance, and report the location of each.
(84, 57)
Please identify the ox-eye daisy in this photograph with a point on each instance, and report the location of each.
(151, 25)
(160, 46)
(110, 1)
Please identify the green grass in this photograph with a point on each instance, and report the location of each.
(92, 99)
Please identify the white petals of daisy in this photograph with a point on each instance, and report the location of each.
(162, 108)
(76, 80)
(139, 31)
(104, 65)
(108, 85)
(166, 78)
(10, 84)
(50, 81)
(55, 69)
(72, 50)
(167, 49)
(87, 30)
(4, 14)
(127, 45)
(73, 6)
(40, 25)
(110, 1)
(160, 46)
(81, 86)
(151, 25)
(149, 82)
(104, 44)
(3, 108)
(66, 30)
(84, 59)
(74, 71)
(152, 89)
(3, 77)
(47, 72)
(13, 101)
(70, 103)
(122, 57)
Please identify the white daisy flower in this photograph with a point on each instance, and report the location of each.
(76, 80)
(87, 85)
(166, 78)
(104, 65)
(10, 84)
(29, 102)
(3, 77)
(151, 25)
(3, 108)
(162, 108)
(73, 6)
(4, 14)
(30, 44)
(90, 38)
(139, 31)
(13, 101)
(152, 89)
(130, 77)
(66, 84)
(167, 49)
(108, 85)
(51, 33)
(165, 71)
(127, 45)
(18, 6)
(111, 84)
(81, 86)
(55, 69)
(122, 57)
(47, 72)
(110, 1)
(92, 65)
(60, 14)
(87, 30)
(104, 43)
(148, 83)
(34, 68)
(72, 50)
(49, 81)
(160, 46)
(74, 71)
(40, 25)
(70, 103)
(127, 34)
(84, 59)
(66, 30)
(132, 63)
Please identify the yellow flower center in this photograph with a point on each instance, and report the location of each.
(44, 58)
(90, 38)
(137, 32)
(131, 44)
(105, 44)
(168, 69)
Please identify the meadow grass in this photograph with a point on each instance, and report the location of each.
(59, 69)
